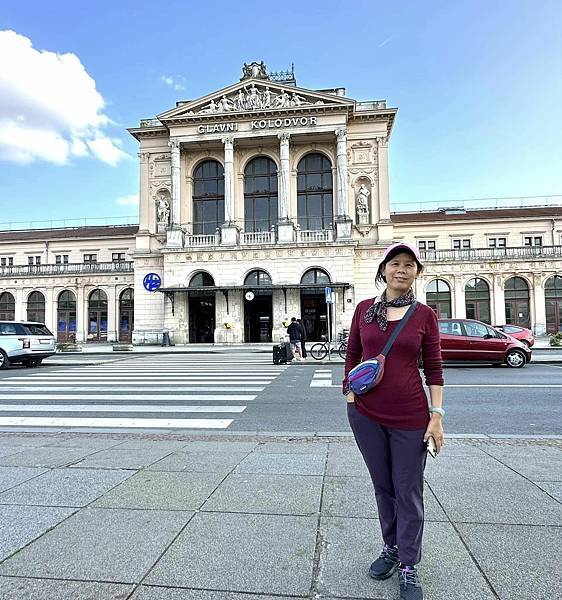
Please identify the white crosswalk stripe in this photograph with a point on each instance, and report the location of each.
(152, 392)
(322, 378)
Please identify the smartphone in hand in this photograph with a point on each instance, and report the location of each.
(431, 447)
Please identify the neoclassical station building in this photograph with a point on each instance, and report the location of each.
(253, 200)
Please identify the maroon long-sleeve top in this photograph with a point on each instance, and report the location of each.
(399, 400)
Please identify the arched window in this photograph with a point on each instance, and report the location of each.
(36, 307)
(208, 197)
(477, 300)
(553, 300)
(315, 204)
(97, 316)
(438, 297)
(66, 317)
(7, 307)
(316, 276)
(201, 279)
(126, 314)
(260, 194)
(517, 305)
(257, 278)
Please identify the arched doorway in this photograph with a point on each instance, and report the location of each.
(126, 315)
(208, 197)
(36, 307)
(438, 297)
(315, 194)
(258, 307)
(7, 307)
(314, 314)
(201, 309)
(260, 194)
(553, 300)
(477, 300)
(97, 316)
(66, 317)
(517, 305)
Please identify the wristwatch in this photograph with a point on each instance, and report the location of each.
(436, 409)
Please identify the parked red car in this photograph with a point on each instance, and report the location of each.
(519, 333)
(474, 341)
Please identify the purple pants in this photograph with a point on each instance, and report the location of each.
(396, 461)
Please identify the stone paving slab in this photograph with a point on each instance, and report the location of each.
(345, 460)
(99, 545)
(354, 497)
(350, 545)
(9, 450)
(22, 524)
(262, 554)
(64, 487)
(283, 464)
(45, 457)
(87, 441)
(521, 562)
(554, 488)
(164, 445)
(200, 461)
(11, 476)
(272, 494)
(122, 459)
(239, 448)
(490, 493)
(159, 593)
(19, 588)
(33, 440)
(162, 490)
(295, 447)
(536, 462)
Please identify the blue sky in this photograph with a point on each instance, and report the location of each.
(477, 84)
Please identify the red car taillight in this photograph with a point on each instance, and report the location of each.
(26, 343)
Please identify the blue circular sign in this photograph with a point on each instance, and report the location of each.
(151, 282)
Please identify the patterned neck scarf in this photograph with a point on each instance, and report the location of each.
(379, 309)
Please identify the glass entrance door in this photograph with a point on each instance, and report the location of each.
(201, 319)
(258, 318)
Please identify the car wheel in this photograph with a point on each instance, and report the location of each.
(515, 359)
(4, 362)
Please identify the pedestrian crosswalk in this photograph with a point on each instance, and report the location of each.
(322, 378)
(152, 392)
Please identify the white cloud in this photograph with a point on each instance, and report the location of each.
(130, 200)
(176, 83)
(49, 107)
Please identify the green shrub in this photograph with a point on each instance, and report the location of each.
(556, 339)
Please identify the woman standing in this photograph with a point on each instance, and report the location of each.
(392, 422)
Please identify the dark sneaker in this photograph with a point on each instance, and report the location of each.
(410, 584)
(386, 563)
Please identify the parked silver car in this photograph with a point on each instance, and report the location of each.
(25, 342)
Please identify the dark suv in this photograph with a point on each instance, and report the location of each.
(474, 341)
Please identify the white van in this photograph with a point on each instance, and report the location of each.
(25, 342)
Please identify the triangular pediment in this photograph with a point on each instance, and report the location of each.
(254, 95)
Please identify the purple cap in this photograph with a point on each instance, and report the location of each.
(395, 249)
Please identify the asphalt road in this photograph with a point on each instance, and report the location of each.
(295, 399)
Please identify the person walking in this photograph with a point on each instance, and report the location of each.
(392, 421)
(303, 338)
(294, 332)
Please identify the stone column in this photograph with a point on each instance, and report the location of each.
(343, 222)
(50, 318)
(285, 227)
(112, 314)
(459, 308)
(174, 234)
(538, 316)
(229, 231)
(81, 315)
(385, 228)
(498, 299)
(144, 193)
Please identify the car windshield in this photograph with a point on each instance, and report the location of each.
(511, 329)
(36, 329)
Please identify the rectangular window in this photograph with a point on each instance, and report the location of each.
(497, 242)
(426, 245)
(90, 258)
(30, 260)
(33, 260)
(532, 240)
(7, 261)
(118, 257)
(463, 244)
(3, 262)
(61, 259)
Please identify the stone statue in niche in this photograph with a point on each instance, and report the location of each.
(362, 204)
(162, 210)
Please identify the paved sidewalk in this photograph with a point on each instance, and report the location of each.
(132, 516)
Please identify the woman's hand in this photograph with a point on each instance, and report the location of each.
(350, 397)
(435, 430)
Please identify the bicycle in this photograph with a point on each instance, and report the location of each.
(320, 350)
